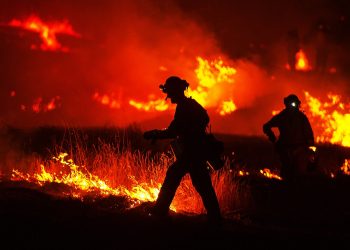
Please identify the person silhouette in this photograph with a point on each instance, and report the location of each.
(189, 129)
(294, 141)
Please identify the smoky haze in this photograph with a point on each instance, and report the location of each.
(127, 48)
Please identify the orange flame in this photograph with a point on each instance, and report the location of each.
(213, 78)
(346, 167)
(158, 105)
(81, 179)
(38, 105)
(302, 63)
(332, 119)
(267, 173)
(107, 100)
(47, 31)
(227, 107)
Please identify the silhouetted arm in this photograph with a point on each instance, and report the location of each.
(267, 127)
(268, 131)
(309, 133)
(167, 133)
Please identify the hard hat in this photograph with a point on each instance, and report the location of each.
(292, 100)
(174, 84)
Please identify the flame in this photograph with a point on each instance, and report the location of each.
(158, 105)
(107, 100)
(332, 119)
(227, 107)
(47, 31)
(213, 79)
(79, 178)
(302, 63)
(345, 168)
(38, 105)
(267, 173)
(243, 173)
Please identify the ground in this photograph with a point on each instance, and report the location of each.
(315, 214)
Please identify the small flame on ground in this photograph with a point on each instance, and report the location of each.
(267, 173)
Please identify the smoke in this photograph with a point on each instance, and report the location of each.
(127, 48)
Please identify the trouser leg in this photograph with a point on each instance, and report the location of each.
(202, 182)
(287, 168)
(167, 192)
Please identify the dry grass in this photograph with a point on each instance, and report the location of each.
(120, 162)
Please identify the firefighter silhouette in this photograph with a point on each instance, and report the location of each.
(188, 128)
(295, 139)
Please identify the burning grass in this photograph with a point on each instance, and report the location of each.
(113, 164)
(117, 168)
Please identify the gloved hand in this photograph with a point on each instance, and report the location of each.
(151, 134)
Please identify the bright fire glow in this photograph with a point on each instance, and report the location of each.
(267, 173)
(81, 179)
(331, 119)
(47, 31)
(108, 100)
(213, 76)
(227, 107)
(158, 105)
(39, 105)
(302, 63)
(346, 167)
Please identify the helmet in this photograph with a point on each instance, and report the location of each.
(291, 101)
(174, 84)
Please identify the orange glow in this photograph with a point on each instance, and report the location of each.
(302, 63)
(243, 173)
(128, 174)
(213, 78)
(108, 100)
(332, 119)
(47, 31)
(79, 178)
(227, 107)
(39, 106)
(157, 105)
(275, 112)
(267, 173)
(346, 167)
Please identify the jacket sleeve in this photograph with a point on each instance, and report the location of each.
(170, 132)
(267, 128)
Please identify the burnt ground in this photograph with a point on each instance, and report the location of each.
(315, 213)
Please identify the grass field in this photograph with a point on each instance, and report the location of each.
(109, 176)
